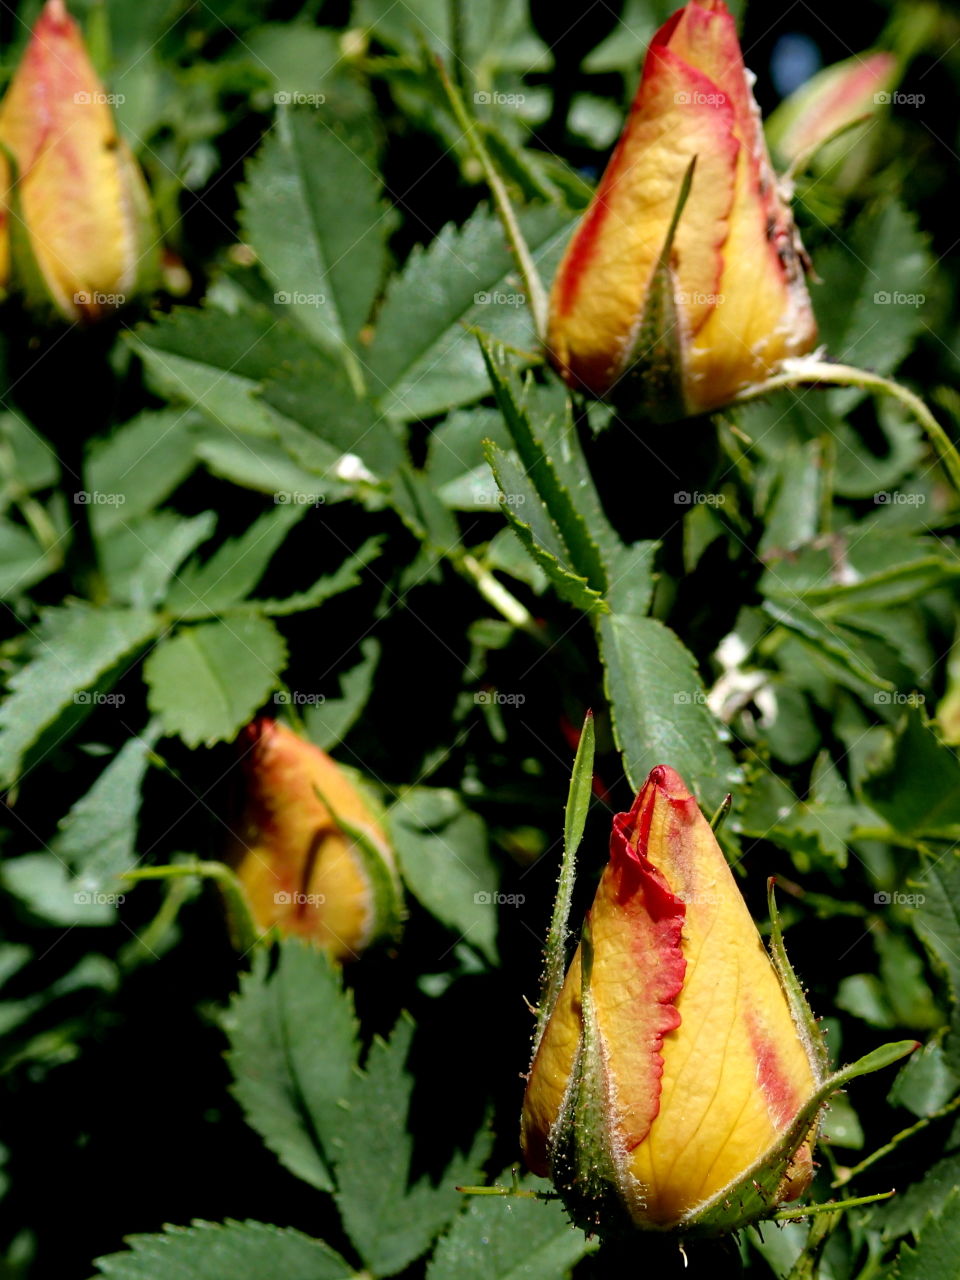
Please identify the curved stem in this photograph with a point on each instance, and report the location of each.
(496, 594)
(811, 370)
(536, 293)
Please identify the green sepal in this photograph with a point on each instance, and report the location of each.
(583, 1163)
(385, 889)
(578, 803)
(800, 1011)
(754, 1196)
(653, 378)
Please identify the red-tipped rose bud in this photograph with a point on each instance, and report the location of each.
(78, 211)
(672, 1085)
(310, 853)
(692, 286)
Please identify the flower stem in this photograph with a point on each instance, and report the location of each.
(808, 369)
(536, 293)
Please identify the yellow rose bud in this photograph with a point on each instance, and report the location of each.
(672, 1086)
(831, 101)
(695, 308)
(310, 854)
(78, 210)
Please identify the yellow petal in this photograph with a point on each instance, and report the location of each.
(736, 1071)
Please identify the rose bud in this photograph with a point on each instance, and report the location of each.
(686, 272)
(309, 852)
(829, 103)
(80, 222)
(676, 1082)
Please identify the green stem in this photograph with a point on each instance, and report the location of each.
(244, 932)
(832, 1206)
(496, 594)
(810, 370)
(849, 1174)
(536, 293)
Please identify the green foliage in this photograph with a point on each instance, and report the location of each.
(327, 475)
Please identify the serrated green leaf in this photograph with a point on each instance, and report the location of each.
(867, 308)
(77, 646)
(391, 1222)
(509, 1238)
(659, 708)
(207, 681)
(916, 785)
(23, 562)
(217, 361)
(293, 1043)
(444, 860)
(423, 360)
(43, 884)
(312, 213)
(139, 559)
(234, 569)
(327, 723)
(138, 466)
(211, 1251)
(97, 836)
(531, 522)
(937, 1248)
(331, 419)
